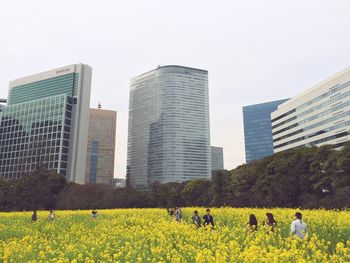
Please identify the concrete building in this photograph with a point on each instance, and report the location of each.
(217, 158)
(168, 136)
(101, 147)
(257, 130)
(45, 122)
(318, 116)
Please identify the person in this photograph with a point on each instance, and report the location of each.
(253, 223)
(51, 215)
(94, 214)
(178, 214)
(196, 219)
(170, 211)
(270, 222)
(208, 219)
(298, 227)
(34, 216)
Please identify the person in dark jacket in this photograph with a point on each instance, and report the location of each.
(253, 223)
(34, 216)
(208, 219)
(170, 211)
(196, 219)
(94, 214)
(270, 222)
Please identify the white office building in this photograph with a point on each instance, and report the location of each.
(318, 116)
(168, 136)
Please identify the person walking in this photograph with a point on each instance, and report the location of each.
(270, 222)
(196, 219)
(170, 211)
(208, 219)
(94, 214)
(253, 223)
(298, 227)
(51, 215)
(34, 216)
(178, 214)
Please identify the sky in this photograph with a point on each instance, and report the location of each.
(254, 51)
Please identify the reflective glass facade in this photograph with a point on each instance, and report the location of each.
(93, 161)
(169, 137)
(258, 130)
(65, 84)
(319, 116)
(44, 124)
(35, 135)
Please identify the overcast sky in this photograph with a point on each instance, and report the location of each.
(255, 51)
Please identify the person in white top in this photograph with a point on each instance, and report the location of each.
(298, 227)
(51, 215)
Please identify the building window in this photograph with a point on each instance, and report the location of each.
(94, 161)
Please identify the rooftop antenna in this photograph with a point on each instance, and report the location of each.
(99, 105)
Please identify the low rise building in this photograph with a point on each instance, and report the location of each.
(318, 116)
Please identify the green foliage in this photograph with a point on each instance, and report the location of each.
(303, 177)
(37, 190)
(88, 196)
(196, 193)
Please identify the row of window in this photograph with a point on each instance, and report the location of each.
(320, 106)
(315, 125)
(316, 116)
(14, 172)
(65, 84)
(55, 102)
(48, 153)
(317, 141)
(333, 90)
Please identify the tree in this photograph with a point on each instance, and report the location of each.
(195, 193)
(241, 182)
(40, 189)
(88, 196)
(219, 188)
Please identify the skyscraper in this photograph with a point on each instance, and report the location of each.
(101, 146)
(258, 130)
(318, 116)
(2, 104)
(217, 158)
(45, 123)
(168, 137)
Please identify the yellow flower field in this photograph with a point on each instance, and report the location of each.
(150, 235)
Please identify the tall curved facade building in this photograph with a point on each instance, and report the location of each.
(168, 133)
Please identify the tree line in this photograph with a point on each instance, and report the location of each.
(304, 177)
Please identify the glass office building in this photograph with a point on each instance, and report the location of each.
(44, 124)
(2, 105)
(258, 130)
(318, 116)
(168, 136)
